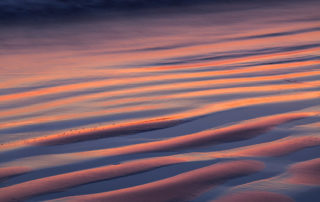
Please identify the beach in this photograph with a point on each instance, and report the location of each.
(210, 101)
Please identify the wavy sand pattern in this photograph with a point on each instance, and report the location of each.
(160, 101)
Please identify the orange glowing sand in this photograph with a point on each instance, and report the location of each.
(181, 187)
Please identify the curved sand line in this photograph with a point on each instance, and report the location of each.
(219, 91)
(144, 79)
(153, 124)
(242, 131)
(270, 149)
(117, 109)
(7, 172)
(307, 172)
(96, 133)
(164, 87)
(297, 176)
(60, 182)
(72, 179)
(181, 187)
(254, 196)
(238, 132)
(34, 80)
